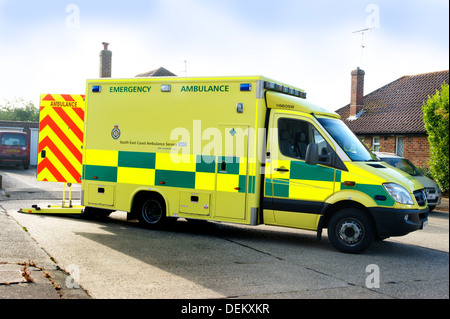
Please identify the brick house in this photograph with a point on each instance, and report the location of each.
(390, 119)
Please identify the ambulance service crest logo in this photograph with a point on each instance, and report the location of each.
(115, 133)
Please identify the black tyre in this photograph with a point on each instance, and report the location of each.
(350, 231)
(151, 212)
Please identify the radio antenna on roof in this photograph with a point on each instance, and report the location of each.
(362, 31)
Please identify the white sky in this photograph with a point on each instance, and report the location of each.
(53, 46)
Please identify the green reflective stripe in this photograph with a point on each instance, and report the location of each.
(338, 176)
(137, 160)
(100, 173)
(205, 164)
(372, 191)
(231, 165)
(242, 183)
(281, 188)
(268, 187)
(301, 170)
(175, 179)
(243, 188)
(251, 184)
(170, 178)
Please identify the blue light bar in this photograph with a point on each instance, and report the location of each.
(166, 87)
(269, 85)
(96, 88)
(284, 89)
(246, 87)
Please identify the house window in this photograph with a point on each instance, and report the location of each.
(399, 145)
(376, 143)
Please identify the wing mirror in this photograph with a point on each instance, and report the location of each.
(312, 154)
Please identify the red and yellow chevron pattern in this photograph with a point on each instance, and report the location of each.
(61, 124)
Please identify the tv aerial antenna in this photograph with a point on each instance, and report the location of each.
(362, 32)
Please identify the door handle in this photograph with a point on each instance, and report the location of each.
(281, 169)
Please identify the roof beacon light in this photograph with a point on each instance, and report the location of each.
(96, 89)
(246, 87)
(284, 89)
(269, 85)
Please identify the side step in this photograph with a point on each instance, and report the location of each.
(35, 209)
(63, 209)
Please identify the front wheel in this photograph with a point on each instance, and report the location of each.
(350, 231)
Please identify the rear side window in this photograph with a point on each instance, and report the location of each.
(10, 139)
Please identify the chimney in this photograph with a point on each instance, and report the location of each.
(357, 93)
(105, 61)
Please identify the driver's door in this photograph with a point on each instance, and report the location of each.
(295, 190)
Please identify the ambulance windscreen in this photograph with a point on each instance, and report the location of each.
(349, 143)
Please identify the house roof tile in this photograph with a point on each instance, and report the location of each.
(396, 108)
(157, 72)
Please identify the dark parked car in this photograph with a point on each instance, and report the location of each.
(14, 148)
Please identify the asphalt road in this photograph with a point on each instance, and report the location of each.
(114, 258)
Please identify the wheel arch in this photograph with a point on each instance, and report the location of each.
(330, 210)
(140, 195)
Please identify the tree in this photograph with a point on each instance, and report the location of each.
(19, 110)
(436, 119)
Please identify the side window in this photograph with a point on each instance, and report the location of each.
(294, 136)
(324, 148)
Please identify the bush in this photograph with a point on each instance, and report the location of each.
(435, 117)
(425, 170)
(19, 110)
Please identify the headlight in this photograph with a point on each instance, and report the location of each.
(398, 193)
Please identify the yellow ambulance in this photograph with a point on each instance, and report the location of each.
(247, 150)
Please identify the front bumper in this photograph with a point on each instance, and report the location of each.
(433, 199)
(398, 222)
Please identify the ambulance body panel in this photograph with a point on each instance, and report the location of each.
(245, 150)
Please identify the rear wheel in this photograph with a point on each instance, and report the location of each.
(151, 212)
(350, 231)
